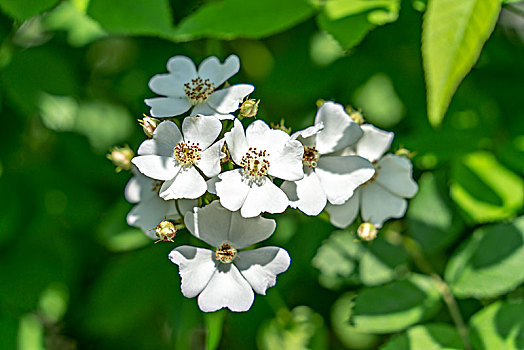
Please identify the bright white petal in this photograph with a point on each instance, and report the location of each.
(227, 100)
(378, 204)
(340, 176)
(188, 183)
(227, 288)
(196, 266)
(205, 109)
(343, 215)
(310, 194)
(203, 130)
(147, 214)
(339, 129)
(167, 85)
(267, 198)
(374, 143)
(260, 267)
(165, 138)
(307, 137)
(157, 167)
(259, 135)
(236, 141)
(232, 189)
(211, 223)
(244, 232)
(218, 73)
(182, 68)
(394, 173)
(163, 107)
(287, 163)
(209, 161)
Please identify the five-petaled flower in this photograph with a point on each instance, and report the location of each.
(227, 277)
(184, 88)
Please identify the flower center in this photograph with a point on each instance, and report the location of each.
(187, 153)
(226, 253)
(198, 90)
(255, 163)
(310, 157)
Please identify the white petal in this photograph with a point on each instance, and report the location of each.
(232, 189)
(244, 232)
(196, 266)
(147, 214)
(378, 204)
(163, 107)
(209, 161)
(236, 141)
(227, 100)
(211, 223)
(287, 163)
(211, 184)
(343, 215)
(227, 288)
(394, 174)
(139, 187)
(165, 138)
(188, 183)
(259, 135)
(260, 267)
(339, 129)
(307, 137)
(311, 198)
(157, 167)
(340, 176)
(204, 109)
(374, 143)
(182, 68)
(218, 73)
(203, 130)
(167, 85)
(267, 197)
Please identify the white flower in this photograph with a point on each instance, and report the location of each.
(173, 158)
(383, 197)
(328, 178)
(227, 277)
(260, 152)
(184, 87)
(150, 208)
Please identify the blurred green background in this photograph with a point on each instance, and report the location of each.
(73, 275)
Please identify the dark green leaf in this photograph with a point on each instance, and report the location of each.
(25, 9)
(348, 31)
(437, 336)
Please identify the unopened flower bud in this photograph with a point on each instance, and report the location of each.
(367, 231)
(121, 157)
(355, 114)
(405, 153)
(165, 231)
(249, 108)
(149, 125)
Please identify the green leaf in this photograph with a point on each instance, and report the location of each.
(432, 221)
(485, 190)
(435, 336)
(137, 17)
(498, 326)
(490, 263)
(452, 38)
(25, 9)
(347, 31)
(395, 306)
(231, 19)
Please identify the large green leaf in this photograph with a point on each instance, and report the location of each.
(452, 38)
(490, 263)
(395, 306)
(498, 326)
(25, 9)
(485, 190)
(137, 17)
(435, 336)
(231, 19)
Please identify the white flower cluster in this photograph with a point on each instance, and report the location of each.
(336, 164)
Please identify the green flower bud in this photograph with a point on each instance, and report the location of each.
(121, 157)
(249, 108)
(149, 125)
(367, 231)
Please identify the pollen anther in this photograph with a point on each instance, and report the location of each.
(310, 157)
(198, 90)
(255, 163)
(187, 153)
(226, 253)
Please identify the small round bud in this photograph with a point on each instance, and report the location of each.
(367, 231)
(165, 231)
(320, 102)
(355, 114)
(405, 153)
(149, 125)
(249, 108)
(121, 157)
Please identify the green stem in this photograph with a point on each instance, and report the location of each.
(414, 250)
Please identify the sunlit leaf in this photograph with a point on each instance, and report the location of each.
(485, 190)
(435, 336)
(395, 306)
(452, 38)
(490, 263)
(498, 326)
(25, 9)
